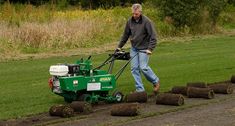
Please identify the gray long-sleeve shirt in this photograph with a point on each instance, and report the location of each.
(142, 34)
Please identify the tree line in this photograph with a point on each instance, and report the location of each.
(89, 4)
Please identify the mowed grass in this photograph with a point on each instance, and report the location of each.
(25, 91)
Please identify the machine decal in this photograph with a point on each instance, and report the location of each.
(93, 86)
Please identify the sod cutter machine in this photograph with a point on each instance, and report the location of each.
(82, 82)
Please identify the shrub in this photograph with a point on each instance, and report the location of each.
(215, 7)
(197, 15)
(182, 12)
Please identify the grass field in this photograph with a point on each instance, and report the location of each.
(24, 88)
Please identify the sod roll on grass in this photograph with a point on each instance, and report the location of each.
(225, 88)
(179, 90)
(170, 99)
(197, 84)
(194, 92)
(233, 79)
(140, 97)
(81, 107)
(125, 109)
(61, 110)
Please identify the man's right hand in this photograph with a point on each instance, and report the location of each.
(117, 50)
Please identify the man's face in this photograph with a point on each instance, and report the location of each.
(136, 14)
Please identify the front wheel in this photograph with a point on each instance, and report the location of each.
(118, 95)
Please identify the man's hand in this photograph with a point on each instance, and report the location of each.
(148, 52)
(117, 50)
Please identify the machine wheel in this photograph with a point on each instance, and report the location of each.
(68, 100)
(118, 95)
(85, 97)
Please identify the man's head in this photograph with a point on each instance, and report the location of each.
(136, 11)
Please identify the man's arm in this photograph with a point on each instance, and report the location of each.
(125, 36)
(153, 37)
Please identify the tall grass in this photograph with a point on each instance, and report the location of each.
(40, 29)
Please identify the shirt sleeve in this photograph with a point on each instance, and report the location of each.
(153, 36)
(125, 35)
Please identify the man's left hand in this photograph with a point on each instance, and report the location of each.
(148, 52)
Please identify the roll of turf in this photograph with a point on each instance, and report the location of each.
(140, 97)
(179, 90)
(194, 92)
(125, 109)
(224, 88)
(170, 99)
(81, 107)
(233, 79)
(61, 110)
(197, 84)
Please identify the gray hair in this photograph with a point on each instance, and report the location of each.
(136, 7)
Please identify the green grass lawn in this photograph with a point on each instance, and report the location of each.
(25, 91)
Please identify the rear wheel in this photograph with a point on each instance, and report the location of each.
(85, 97)
(68, 100)
(118, 95)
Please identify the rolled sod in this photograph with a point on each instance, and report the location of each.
(125, 109)
(197, 84)
(170, 99)
(179, 90)
(225, 88)
(81, 107)
(233, 79)
(140, 97)
(194, 92)
(61, 110)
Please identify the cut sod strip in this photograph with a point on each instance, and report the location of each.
(179, 90)
(170, 99)
(194, 92)
(61, 110)
(140, 97)
(125, 109)
(197, 84)
(222, 88)
(233, 79)
(81, 107)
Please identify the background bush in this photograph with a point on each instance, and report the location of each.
(197, 15)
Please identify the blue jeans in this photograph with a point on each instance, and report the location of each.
(140, 64)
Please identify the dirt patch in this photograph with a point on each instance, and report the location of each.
(220, 108)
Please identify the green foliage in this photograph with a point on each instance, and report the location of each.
(226, 18)
(192, 14)
(91, 4)
(1, 1)
(232, 2)
(61, 4)
(215, 7)
(182, 12)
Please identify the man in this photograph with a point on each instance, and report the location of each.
(142, 35)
